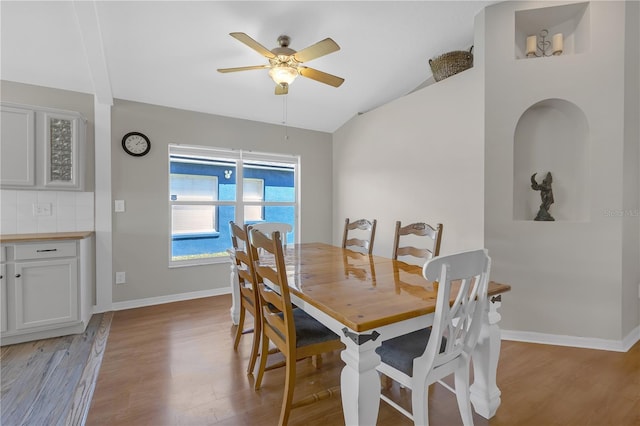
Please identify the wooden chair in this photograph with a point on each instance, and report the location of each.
(423, 357)
(422, 230)
(366, 230)
(248, 291)
(294, 332)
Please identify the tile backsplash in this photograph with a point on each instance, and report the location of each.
(26, 212)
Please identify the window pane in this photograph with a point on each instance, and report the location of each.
(278, 178)
(253, 190)
(193, 187)
(192, 219)
(200, 179)
(192, 241)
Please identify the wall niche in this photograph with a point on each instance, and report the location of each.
(571, 20)
(552, 136)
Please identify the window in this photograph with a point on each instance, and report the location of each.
(204, 197)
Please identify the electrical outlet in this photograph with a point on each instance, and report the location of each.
(42, 209)
(121, 278)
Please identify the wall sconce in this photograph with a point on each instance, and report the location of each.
(543, 46)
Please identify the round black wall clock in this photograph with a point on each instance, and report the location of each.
(136, 144)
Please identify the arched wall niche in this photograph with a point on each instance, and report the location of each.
(552, 136)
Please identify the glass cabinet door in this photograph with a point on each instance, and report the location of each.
(62, 167)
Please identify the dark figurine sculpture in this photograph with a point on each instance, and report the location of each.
(546, 194)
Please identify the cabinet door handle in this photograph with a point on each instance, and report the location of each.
(45, 250)
(18, 275)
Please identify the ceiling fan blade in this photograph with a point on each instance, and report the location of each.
(282, 89)
(253, 67)
(320, 76)
(253, 44)
(317, 50)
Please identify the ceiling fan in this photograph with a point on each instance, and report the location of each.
(285, 63)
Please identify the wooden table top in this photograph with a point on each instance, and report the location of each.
(361, 291)
(23, 238)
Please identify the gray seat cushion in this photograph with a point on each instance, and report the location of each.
(309, 330)
(400, 351)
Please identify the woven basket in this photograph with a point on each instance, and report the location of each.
(451, 63)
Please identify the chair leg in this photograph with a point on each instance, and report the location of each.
(420, 404)
(240, 328)
(289, 386)
(264, 351)
(462, 395)
(255, 346)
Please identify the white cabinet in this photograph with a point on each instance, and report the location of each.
(45, 289)
(17, 148)
(3, 292)
(41, 148)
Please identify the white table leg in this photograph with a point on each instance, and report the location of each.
(485, 394)
(360, 382)
(235, 294)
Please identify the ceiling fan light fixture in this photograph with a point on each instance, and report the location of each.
(283, 74)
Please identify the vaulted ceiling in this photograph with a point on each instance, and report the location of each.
(167, 52)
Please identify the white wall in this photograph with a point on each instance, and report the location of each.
(566, 276)
(141, 233)
(416, 159)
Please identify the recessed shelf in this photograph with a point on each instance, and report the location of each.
(552, 136)
(571, 20)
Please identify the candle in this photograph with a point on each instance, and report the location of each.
(557, 44)
(531, 45)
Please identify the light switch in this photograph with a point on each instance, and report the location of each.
(119, 206)
(42, 209)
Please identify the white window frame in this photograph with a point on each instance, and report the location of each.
(239, 157)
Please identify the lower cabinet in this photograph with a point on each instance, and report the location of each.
(44, 289)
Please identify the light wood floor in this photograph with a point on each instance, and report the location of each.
(50, 381)
(174, 364)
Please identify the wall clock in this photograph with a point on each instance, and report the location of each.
(136, 144)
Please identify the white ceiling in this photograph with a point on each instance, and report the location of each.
(167, 52)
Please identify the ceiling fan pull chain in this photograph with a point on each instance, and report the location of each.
(284, 117)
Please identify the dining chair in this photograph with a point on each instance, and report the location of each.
(267, 228)
(418, 359)
(248, 291)
(294, 332)
(420, 229)
(359, 233)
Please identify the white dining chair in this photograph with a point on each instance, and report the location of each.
(418, 359)
(268, 228)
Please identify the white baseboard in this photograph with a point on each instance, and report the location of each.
(578, 342)
(139, 303)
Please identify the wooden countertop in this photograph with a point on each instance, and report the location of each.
(23, 238)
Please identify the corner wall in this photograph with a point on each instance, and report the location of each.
(568, 277)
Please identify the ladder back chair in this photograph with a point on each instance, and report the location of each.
(420, 229)
(365, 230)
(294, 332)
(248, 291)
(420, 358)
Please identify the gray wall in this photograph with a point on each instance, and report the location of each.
(62, 99)
(141, 233)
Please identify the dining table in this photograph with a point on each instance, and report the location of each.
(367, 299)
